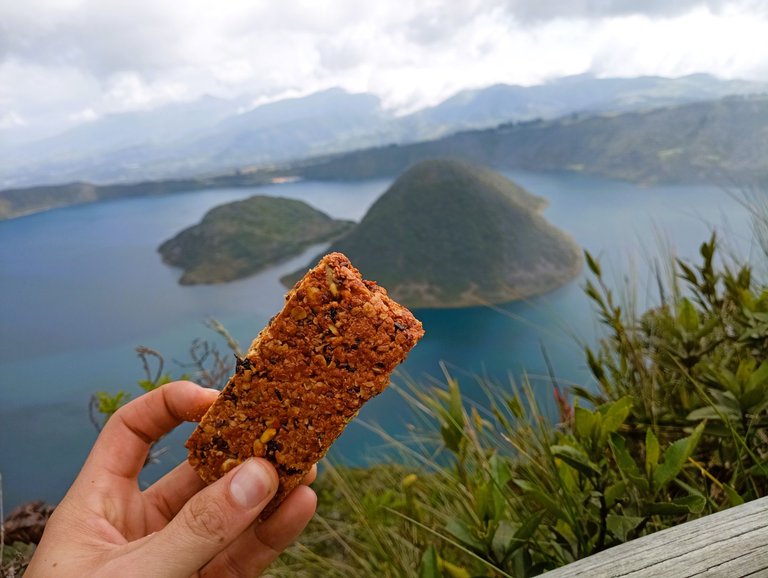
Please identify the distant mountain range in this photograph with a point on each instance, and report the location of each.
(212, 135)
(717, 142)
(720, 142)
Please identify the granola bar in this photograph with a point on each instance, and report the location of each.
(306, 375)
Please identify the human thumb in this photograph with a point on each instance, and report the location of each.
(209, 521)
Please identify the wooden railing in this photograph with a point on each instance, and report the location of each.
(732, 543)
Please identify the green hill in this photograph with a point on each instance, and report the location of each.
(448, 234)
(241, 238)
(704, 142)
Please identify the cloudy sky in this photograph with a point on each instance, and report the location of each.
(64, 62)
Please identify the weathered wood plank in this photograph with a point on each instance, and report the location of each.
(728, 544)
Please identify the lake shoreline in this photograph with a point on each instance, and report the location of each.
(86, 286)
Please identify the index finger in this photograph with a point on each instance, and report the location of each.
(122, 446)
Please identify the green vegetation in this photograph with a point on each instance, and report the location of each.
(673, 428)
(15, 558)
(702, 142)
(210, 134)
(449, 234)
(20, 202)
(239, 239)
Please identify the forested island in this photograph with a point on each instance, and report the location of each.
(239, 239)
(445, 234)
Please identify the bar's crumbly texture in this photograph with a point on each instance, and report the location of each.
(306, 375)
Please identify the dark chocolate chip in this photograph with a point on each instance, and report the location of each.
(242, 363)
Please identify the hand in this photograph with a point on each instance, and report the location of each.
(106, 527)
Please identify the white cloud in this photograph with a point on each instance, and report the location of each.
(60, 57)
(235, 72)
(129, 91)
(11, 119)
(44, 95)
(85, 115)
(729, 44)
(544, 10)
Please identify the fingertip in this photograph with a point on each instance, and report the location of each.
(257, 548)
(253, 483)
(311, 476)
(299, 506)
(187, 394)
(290, 519)
(182, 385)
(307, 497)
(270, 468)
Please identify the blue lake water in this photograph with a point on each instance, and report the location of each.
(83, 286)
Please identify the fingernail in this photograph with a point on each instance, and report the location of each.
(251, 484)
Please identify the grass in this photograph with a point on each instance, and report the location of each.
(672, 428)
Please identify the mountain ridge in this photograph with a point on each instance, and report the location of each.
(214, 135)
(716, 142)
(706, 142)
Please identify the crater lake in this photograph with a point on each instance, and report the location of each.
(83, 286)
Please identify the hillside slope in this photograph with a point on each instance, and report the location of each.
(448, 234)
(718, 142)
(707, 142)
(211, 135)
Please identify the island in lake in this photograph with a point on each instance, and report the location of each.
(239, 239)
(450, 234)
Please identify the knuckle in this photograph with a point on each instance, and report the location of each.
(233, 568)
(229, 566)
(206, 520)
